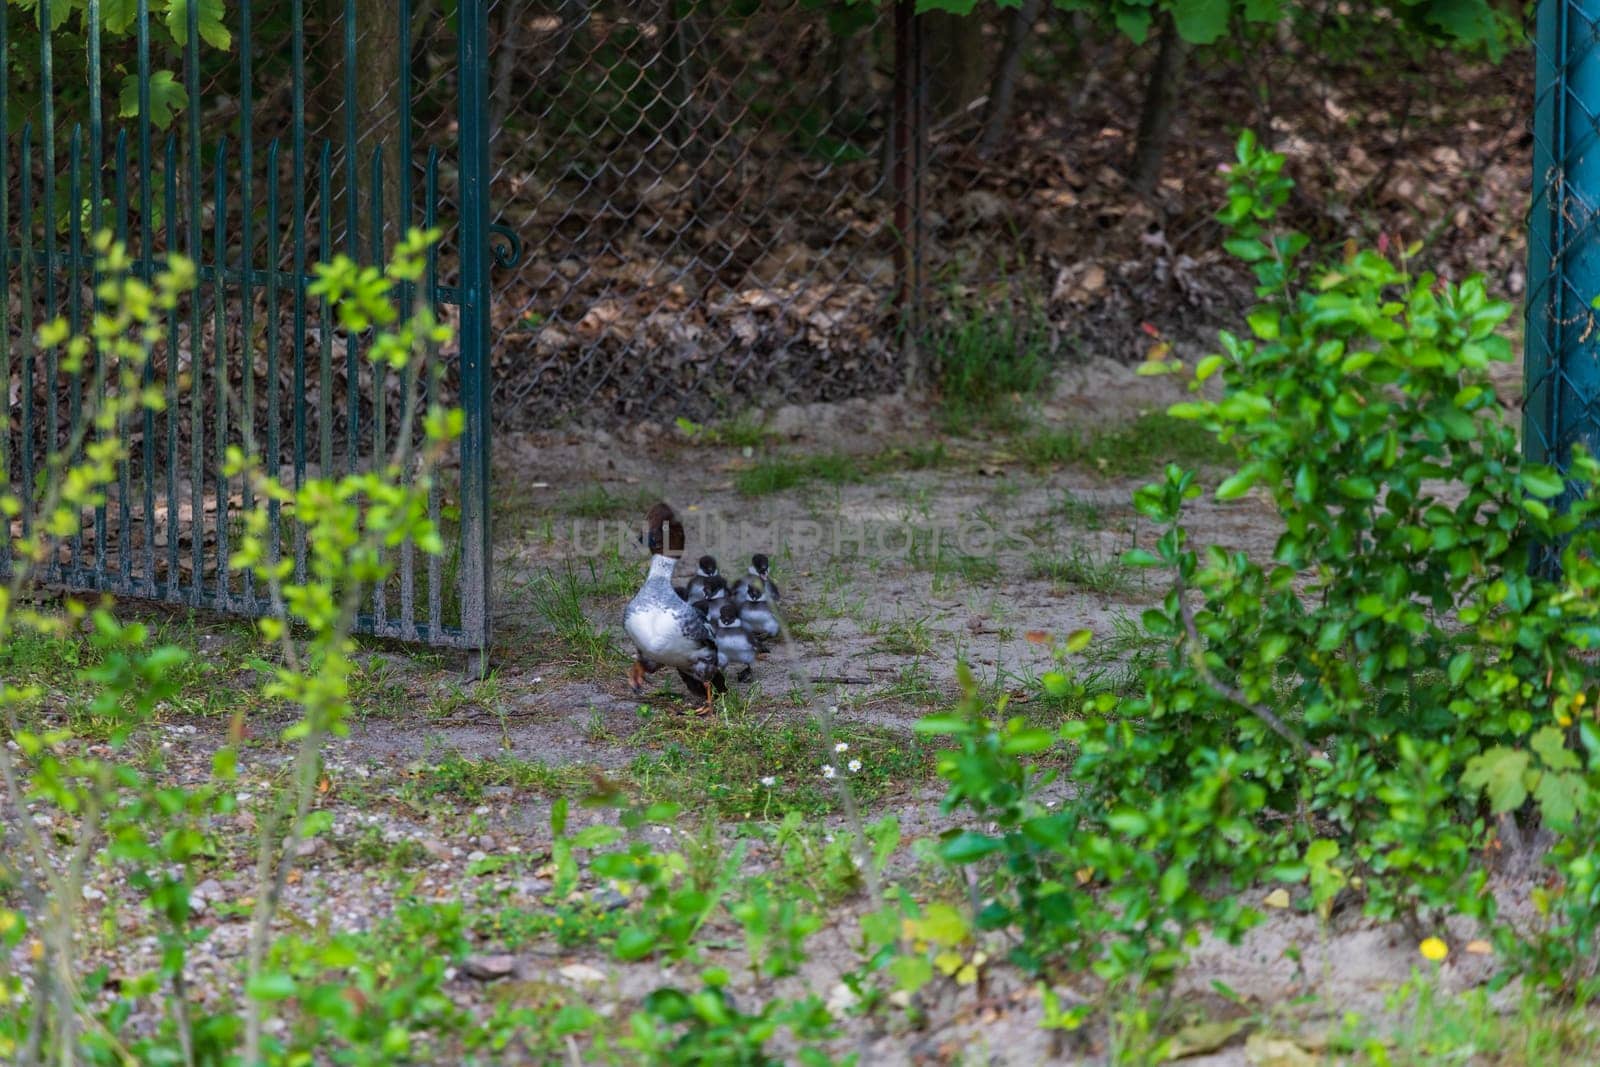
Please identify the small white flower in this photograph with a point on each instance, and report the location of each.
(855, 765)
(842, 746)
(769, 781)
(828, 771)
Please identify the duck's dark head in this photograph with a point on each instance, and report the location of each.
(663, 533)
(754, 590)
(715, 586)
(727, 614)
(760, 564)
(708, 566)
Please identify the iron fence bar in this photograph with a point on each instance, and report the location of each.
(430, 209)
(47, 199)
(352, 216)
(325, 311)
(174, 588)
(247, 251)
(219, 342)
(408, 575)
(5, 274)
(75, 320)
(379, 382)
(298, 176)
(274, 455)
(476, 544)
(197, 431)
(25, 334)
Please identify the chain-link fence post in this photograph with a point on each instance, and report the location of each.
(906, 149)
(1562, 349)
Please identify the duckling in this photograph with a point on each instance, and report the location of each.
(759, 566)
(758, 569)
(712, 595)
(665, 630)
(733, 641)
(756, 613)
(697, 584)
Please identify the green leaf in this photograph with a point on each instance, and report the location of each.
(1246, 248)
(270, 987)
(1026, 742)
(1200, 21)
(1562, 798)
(212, 29)
(1551, 745)
(1133, 23)
(634, 943)
(1237, 485)
(1541, 482)
(1174, 884)
(1499, 773)
(1128, 821)
(967, 847)
(167, 96)
(1264, 323)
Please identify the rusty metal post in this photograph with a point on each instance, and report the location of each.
(905, 172)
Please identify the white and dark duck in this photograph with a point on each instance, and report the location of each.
(665, 629)
(733, 640)
(756, 614)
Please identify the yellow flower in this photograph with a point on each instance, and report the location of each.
(1434, 949)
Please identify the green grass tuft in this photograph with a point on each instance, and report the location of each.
(1139, 447)
(985, 359)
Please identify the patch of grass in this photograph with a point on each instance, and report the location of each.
(558, 597)
(901, 637)
(744, 430)
(914, 685)
(777, 474)
(1081, 569)
(780, 473)
(933, 553)
(986, 359)
(720, 763)
(1428, 1027)
(568, 925)
(598, 502)
(458, 779)
(377, 686)
(1139, 447)
(1081, 513)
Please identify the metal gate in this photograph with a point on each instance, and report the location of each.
(1562, 347)
(257, 140)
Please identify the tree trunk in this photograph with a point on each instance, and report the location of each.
(1003, 88)
(379, 66)
(954, 46)
(507, 58)
(1160, 105)
(849, 79)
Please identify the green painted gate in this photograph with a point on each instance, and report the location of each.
(258, 138)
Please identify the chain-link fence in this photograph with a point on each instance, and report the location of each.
(705, 202)
(1562, 350)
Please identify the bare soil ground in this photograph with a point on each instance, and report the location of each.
(443, 788)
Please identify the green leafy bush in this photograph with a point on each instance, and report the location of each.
(113, 805)
(1353, 714)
